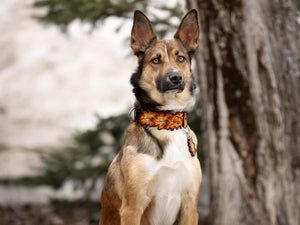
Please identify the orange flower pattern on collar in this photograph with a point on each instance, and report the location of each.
(162, 120)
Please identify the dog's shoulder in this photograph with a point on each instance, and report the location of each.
(139, 139)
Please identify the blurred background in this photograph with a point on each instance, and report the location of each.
(65, 93)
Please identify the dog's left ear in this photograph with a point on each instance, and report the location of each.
(188, 31)
(142, 33)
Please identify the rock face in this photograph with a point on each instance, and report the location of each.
(52, 84)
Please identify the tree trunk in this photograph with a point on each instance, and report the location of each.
(249, 70)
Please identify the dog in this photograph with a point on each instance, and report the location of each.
(155, 179)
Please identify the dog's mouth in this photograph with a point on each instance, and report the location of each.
(173, 81)
(166, 86)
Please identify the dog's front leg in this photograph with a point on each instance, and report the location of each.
(188, 214)
(135, 199)
(135, 190)
(132, 209)
(130, 215)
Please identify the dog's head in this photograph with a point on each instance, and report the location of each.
(163, 80)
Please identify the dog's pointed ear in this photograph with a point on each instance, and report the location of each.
(188, 31)
(142, 33)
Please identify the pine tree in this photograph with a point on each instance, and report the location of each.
(64, 12)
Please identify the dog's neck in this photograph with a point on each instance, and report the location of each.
(164, 120)
(160, 119)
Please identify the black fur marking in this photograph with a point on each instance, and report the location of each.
(141, 95)
(191, 55)
(160, 144)
(135, 78)
(151, 41)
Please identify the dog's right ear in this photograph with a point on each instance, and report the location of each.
(141, 33)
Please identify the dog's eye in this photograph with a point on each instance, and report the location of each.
(155, 60)
(180, 59)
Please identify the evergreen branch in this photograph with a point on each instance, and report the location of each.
(63, 12)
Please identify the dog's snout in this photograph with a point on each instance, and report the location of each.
(173, 80)
(175, 77)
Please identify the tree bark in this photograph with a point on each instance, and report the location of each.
(248, 68)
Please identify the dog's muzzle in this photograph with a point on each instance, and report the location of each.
(172, 81)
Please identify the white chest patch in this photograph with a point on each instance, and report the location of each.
(174, 174)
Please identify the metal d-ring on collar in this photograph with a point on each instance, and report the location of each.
(132, 114)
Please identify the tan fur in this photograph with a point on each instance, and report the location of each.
(152, 72)
(129, 190)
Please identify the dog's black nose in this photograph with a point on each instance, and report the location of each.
(173, 80)
(175, 77)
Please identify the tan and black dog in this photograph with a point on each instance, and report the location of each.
(155, 179)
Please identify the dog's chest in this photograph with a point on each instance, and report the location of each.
(172, 175)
